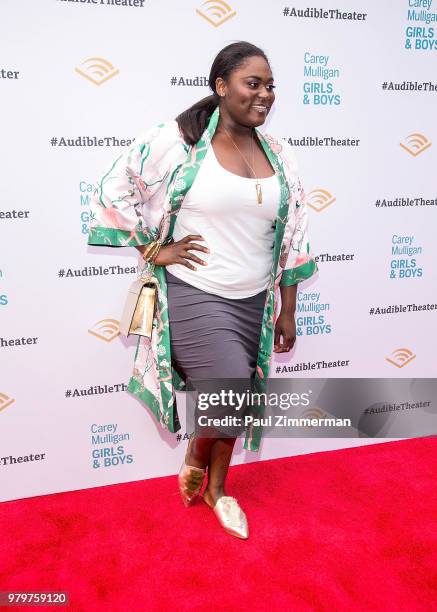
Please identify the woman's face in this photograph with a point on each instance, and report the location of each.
(248, 93)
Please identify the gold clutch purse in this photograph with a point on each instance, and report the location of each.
(139, 308)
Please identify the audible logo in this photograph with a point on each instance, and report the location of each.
(415, 144)
(313, 413)
(319, 199)
(5, 401)
(97, 70)
(401, 357)
(106, 329)
(216, 12)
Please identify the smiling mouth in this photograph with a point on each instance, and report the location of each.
(260, 108)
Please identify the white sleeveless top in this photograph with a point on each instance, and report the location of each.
(222, 207)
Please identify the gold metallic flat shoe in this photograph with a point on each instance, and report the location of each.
(190, 480)
(231, 517)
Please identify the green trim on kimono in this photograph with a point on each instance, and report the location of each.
(299, 274)
(110, 236)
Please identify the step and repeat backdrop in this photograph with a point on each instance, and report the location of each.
(79, 79)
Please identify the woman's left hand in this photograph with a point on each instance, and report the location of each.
(286, 327)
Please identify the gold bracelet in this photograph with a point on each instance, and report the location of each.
(151, 253)
(155, 253)
(149, 248)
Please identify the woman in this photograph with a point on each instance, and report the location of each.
(219, 210)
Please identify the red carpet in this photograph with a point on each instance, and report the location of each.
(354, 529)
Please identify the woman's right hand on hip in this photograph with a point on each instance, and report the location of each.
(178, 252)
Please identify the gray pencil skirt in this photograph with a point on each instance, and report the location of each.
(214, 338)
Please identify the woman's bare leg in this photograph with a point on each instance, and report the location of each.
(220, 458)
(199, 451)
(216, 453)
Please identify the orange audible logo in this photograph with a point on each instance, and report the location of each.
(97, 70)
(401, 357)
(106, 329)
(216, 12)
(319, 199)
(415, 144)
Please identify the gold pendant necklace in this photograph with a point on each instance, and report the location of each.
(258, 188)
(259, 193)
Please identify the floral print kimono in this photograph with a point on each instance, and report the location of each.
(137, 199)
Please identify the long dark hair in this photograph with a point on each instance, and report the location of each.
(193, 121)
